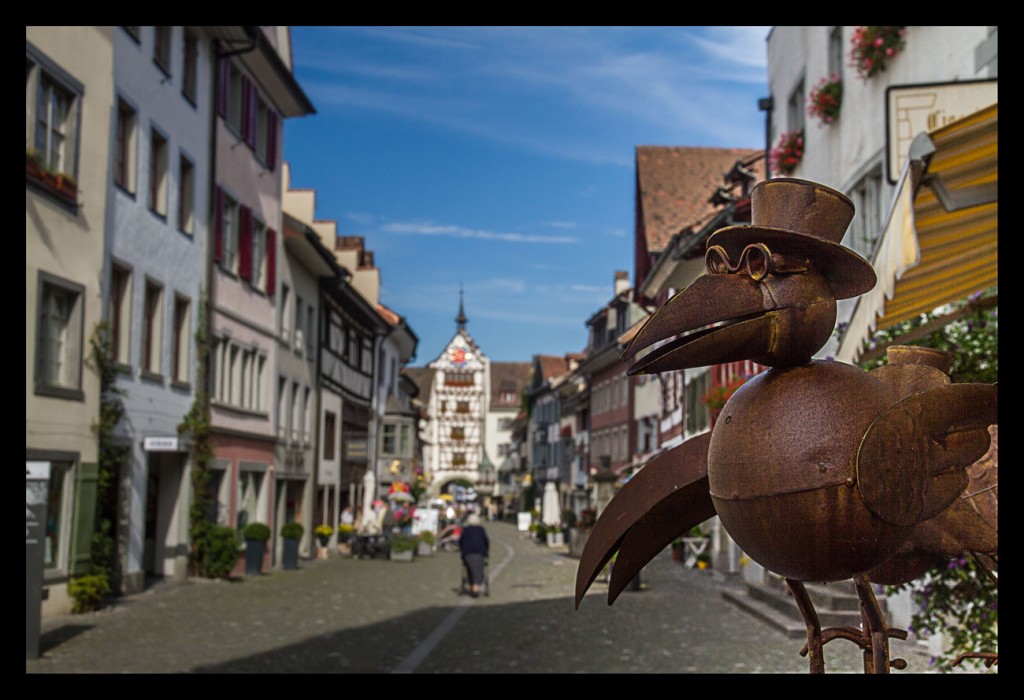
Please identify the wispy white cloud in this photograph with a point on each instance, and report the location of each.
(428, 229)
(563, 224)
(361, 218)
(586, 288)
(511, 285)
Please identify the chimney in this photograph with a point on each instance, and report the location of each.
(621, 281)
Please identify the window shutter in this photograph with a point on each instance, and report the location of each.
(245, 243)
(248, 111)
(271, 261)
(271, 139)
(223, 88)
(218, 224)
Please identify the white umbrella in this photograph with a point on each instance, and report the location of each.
(551, 514)
(401, 496)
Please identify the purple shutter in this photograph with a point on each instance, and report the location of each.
(245, 243)
(223, 88)
(271, 261)
(218, 224)
(248, 111)
(271, 139)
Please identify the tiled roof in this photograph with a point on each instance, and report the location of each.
(424, 379)
(508, 377)
(674, 184)
(388, 315)
(552, 366)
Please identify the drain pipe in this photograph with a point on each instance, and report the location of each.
(766, 105)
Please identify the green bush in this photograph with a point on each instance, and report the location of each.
(292, 530)
(219, 552)
(403, 543)
(428, 537)
(256, 531)
(87, 592)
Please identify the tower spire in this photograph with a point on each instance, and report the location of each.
(460, 320)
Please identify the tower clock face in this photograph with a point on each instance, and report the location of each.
(457, 356)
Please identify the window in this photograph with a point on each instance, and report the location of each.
(835, 52)
(240, 376)
(59, 334)
(186, 194)
(388, 442)
(366, 362)
(462, 406)
(229, 234)
(503, 449)
(296, 420)
(504, 424)
(190, 66)
(403, 440)
(330, 431)
(458, 433)
(310, 329)
(282, 408)
(697, 417)
(124, 165)
(180, 349)
(307, 417)
(151, 326)
(119, 312)
(158, 173)
(458, 459)
(53, 105)
(162, 48)
(250, 498)
(353, 349)
(795, 108)
(285, 313)
(299, 334)
(57, 515)
(259, 254)
(261, 133)
(216, 497)
(867, 221)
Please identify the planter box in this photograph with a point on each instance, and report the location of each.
(401, 556)
(254, 557)
(424, 550)
(290, 553)
(577, 541)
(555, 539)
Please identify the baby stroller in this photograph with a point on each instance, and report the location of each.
(448, 538)
(485, 585)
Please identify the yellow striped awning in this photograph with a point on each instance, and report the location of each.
(940, 242)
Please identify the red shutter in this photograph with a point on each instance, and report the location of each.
(245, 243)
(271, 139)
(271, 261)
(218, 224)
(223, 88)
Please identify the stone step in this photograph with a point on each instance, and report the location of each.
(834, 604)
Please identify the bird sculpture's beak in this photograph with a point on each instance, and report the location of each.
(725, 318)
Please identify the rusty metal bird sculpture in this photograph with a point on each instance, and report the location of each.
(818, 470)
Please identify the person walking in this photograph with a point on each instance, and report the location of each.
(475, 546)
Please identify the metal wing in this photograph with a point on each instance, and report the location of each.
(912, 462)
(667, 497)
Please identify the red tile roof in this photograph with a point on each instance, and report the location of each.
(674, 184)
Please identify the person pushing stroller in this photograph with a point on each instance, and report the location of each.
(475, 547)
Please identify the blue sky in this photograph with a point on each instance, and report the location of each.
(501, 160)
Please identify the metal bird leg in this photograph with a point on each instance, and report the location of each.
(814, 642)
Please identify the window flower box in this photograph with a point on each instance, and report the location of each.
(874, 47)
(825, 99)
(789, 152)
(61, 184)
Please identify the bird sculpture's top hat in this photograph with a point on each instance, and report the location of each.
(806, 220)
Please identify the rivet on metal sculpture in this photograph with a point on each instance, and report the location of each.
(819, 471)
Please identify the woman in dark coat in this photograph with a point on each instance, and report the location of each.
(475, 546)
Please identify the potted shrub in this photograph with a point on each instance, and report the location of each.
(425, 548)
(579, 534)
(88, 592)
(323, 534)
(255, 536)
(403, 547)
(291, 533)
(554, 536)
(678, 549)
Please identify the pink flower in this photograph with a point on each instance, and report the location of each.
(889, 51)
(879, 41)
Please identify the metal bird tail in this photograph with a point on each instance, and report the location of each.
(663, 500)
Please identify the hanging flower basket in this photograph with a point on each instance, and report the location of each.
(825, 99)
(874, 47)
(786, 156)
